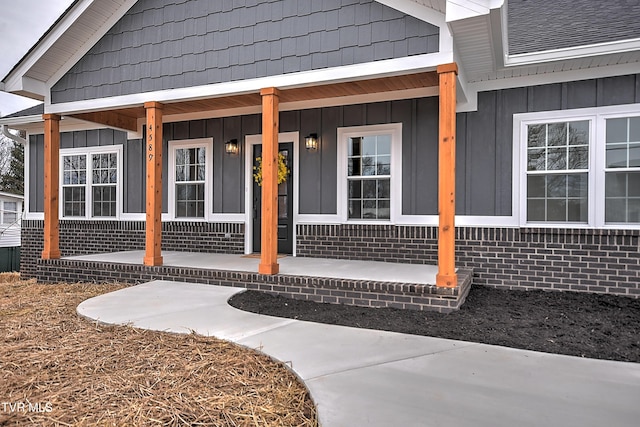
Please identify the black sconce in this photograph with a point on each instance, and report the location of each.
(231, 147)
(311, 141)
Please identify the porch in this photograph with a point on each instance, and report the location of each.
(361, 283)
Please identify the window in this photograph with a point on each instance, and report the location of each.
(369, 177)
(581, 167)
(370, 172)
(558, 171)
(90, 183)
(189, 162)
(10, 213)
(622, 170)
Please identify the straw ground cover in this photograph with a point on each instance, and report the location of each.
(59, 369)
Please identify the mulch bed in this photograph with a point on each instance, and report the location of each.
(576, 324)
(59, 369)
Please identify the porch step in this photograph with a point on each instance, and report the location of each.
(349, 291)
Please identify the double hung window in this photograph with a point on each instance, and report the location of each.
(9, 212)
(89, 183)
(189, 187)
(581, 167)
(370, 172)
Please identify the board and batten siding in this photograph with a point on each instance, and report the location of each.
(164, 44)
(484, 154)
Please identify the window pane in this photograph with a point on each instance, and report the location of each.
(616, 130)
(634, 155)
(355, 189)
(354, 146)
(557, 134)
(536, 209)
(536, 160)
(578, 185)
(622, 197)
(577, 210)
(368, 166)
(634, 129)
(578, 157)
(557, 159)
(369, 189)
(556, 186)
(104, 201)
(190, 200)
(369, 146)
(557, 210)
(384, 145)
(536, 185)
(384, 209)
(384, 165)
(617, 156)
(536, 135)
(354, 167)
(384, 188)
(579, 133)
(355, 209)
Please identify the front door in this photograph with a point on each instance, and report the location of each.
(285, 202)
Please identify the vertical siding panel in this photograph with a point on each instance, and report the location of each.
(482, 163)
(310, 164)
(134, 173)
(197, 129)
(581, 94)
(231, 192)
(214, 130)
(461, 164)
(79, 139)
(289, 121)
(377, 113)
(353, 115)
(93, 138)
(331, 120)
(617, 90)
(66, 140)
(547, 97)
(168, 134)
(427, 157)
(251, 125)
(404, 112)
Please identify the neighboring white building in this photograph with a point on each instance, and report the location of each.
(10, 219)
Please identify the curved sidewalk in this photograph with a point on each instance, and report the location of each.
(360, 377)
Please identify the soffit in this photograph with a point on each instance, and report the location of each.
(337, 90)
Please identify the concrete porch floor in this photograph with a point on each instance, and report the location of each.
(289, 265)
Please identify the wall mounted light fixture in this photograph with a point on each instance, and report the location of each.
(311, 141)
(231, 146)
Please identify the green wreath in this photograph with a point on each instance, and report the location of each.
(283, 170)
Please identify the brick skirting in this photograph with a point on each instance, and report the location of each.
(584, 260)
(92, 237)
(363, 293)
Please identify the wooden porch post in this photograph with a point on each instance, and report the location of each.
(269, 232)
(153, 154)
(447, 276)
(51, 186)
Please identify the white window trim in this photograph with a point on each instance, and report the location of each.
(344, 133)
(88, 151)
(597, 117)
(208, 181)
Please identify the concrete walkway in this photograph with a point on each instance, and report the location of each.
(361, 377)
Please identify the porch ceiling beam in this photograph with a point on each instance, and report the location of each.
(269, 232)
(110, 119)
(153, 155)
(51, 249)
(447, 276)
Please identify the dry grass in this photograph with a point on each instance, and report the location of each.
(79, 373)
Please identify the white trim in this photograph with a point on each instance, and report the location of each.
(576, 52)
(383, 68)
(319, 219)
(34, 216)
(395, 131)
(27, 175)
(172, 146)
(596, 117)
(250, 141)
(88, 152)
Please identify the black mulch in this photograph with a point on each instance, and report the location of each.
(577, 324)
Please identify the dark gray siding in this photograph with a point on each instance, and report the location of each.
(36, 173)
(163, 44)
(483, 156)
(537, 25)
(228, 170)
(484, 148)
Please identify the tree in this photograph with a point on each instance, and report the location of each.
(11, 167)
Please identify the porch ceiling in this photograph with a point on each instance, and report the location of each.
(126, 118)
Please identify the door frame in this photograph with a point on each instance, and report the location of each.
(250, 141)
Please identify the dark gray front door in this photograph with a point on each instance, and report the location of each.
(285, 203)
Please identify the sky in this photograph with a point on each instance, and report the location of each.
(22, 23)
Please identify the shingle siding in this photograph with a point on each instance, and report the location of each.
(538, 25)
(164, 44)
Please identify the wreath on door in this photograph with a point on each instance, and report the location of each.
(283, 170)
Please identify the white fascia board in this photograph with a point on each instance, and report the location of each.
(425, 14)
(385, 68)
(12, 122)
(533, 58)
(557, 77)
(463, 9)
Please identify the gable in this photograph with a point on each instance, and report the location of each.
(542, 25)
(163, 44)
